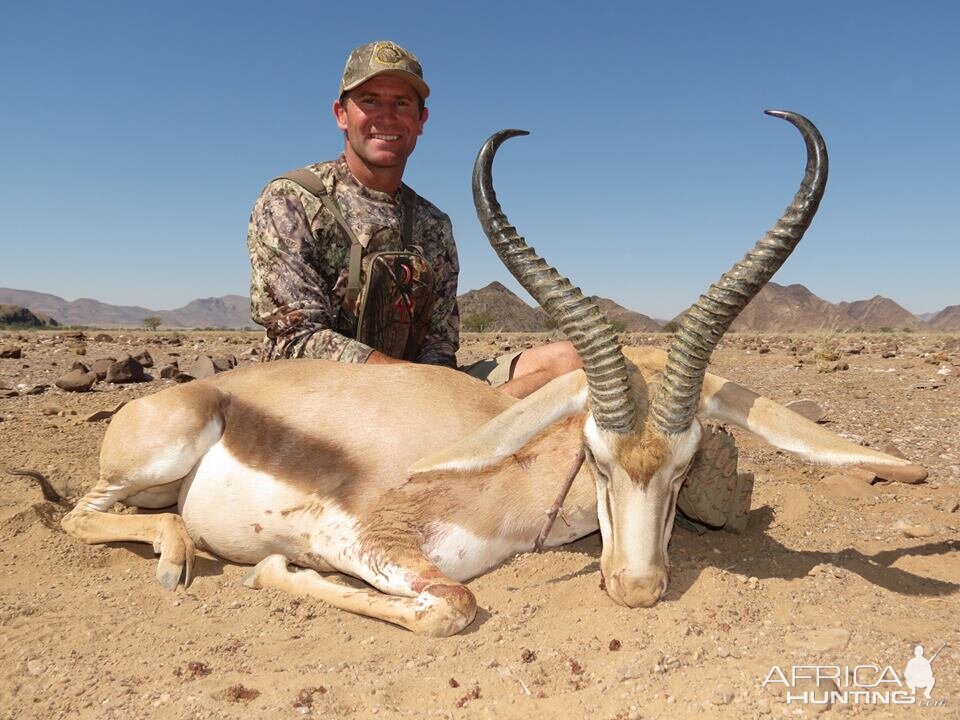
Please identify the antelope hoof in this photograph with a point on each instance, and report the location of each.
(268, 566)
(177, 554)
(444, 610)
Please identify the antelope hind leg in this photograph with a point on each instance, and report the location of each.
(150, 446)
(440, 609)
(165, 531)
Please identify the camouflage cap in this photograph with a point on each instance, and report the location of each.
(381, 57)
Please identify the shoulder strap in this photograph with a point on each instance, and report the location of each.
(307, 180)
(408, 199)
(312, 184)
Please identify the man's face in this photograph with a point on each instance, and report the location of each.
(382, 120)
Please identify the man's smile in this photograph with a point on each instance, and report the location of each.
(386, 138)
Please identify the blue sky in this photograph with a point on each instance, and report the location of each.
(134, 138)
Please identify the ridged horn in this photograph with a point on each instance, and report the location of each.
(580, 320)
(704, 324)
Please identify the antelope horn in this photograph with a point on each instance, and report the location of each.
(580, 320)
(704, 324)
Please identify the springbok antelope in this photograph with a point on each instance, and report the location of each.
(416, 478)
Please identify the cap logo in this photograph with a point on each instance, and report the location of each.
(388, 55)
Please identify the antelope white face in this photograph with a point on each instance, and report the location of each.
(638, 477)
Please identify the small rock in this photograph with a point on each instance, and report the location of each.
(808, 409)
(126, 370)
(222, 363)
(144, 358)
(722, 695)
(169, 371)
(908, 474)
(101, 365)
(103, 337)
(202, 367)
(35, 667)
(76, 381)
(913, 531)
(50, 410)
(11, 352)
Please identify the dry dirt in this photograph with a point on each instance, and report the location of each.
(816, 579)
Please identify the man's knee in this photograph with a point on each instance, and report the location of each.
(553, 359)
(564, 357)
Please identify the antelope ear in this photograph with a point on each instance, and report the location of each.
(782, 428)
(513, 428)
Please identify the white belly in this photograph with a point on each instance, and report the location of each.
(461, 555)
(243, 515)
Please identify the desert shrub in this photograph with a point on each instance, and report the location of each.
(477, 322)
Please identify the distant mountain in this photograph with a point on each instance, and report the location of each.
(77, 312)
(947, 320)
(230, 311)
(776, 308)
(504, 310)
(794, 307)
(632, 321)
(876, 313)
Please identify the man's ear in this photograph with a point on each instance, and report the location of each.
(423, 120)
(340, 114)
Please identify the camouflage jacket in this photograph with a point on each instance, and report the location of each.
(300, 258)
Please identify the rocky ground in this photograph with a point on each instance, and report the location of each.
(827, 572)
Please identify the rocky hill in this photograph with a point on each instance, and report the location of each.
(632, 321)
(875, 313)
(794, 307)
(17, 316)
(498, 308)
(947, 320)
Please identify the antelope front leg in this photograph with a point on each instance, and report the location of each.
(430, 604)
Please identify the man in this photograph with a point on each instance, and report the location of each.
(315, 239)
(314, 233)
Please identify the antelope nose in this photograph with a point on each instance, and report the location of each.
(640, 590)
